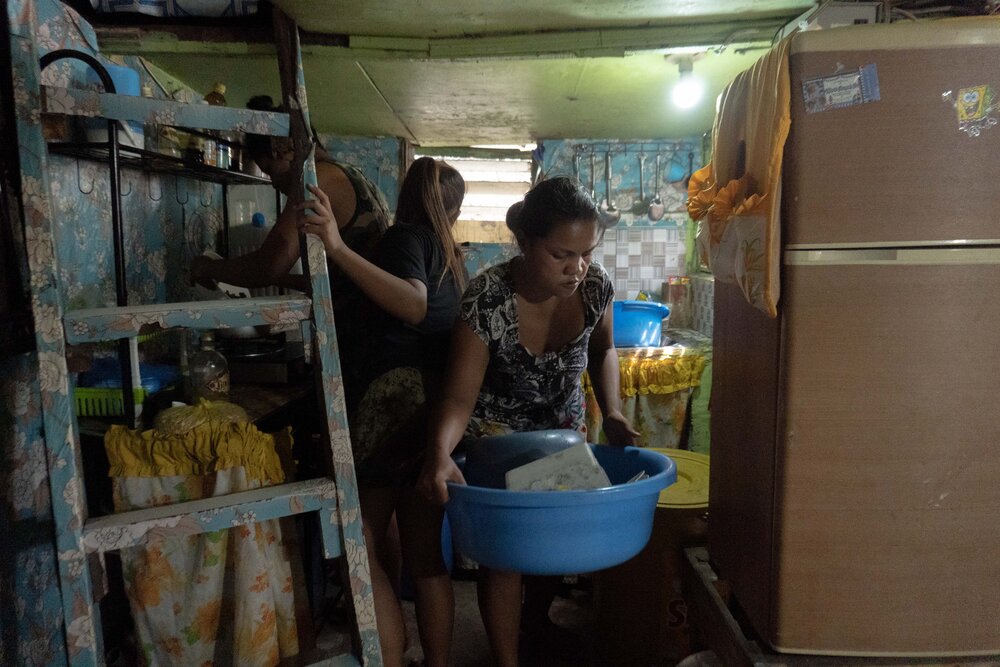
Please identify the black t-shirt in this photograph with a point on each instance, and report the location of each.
(413, 251)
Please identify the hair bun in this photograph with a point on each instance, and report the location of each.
(513, 218)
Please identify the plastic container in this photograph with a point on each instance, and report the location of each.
(150, 131)
(641, 616)
(99, 390)
(126, 82)
(563, 532)
(258, 229)
(217, 96)
(638, 323)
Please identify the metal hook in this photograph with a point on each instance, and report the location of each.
(79, 180)
(126, 194)
(204, 189)
(149, 187)
(177, 189)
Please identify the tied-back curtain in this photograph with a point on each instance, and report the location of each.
(737, 198)
(226, 597)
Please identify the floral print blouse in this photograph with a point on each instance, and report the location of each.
(522, 391)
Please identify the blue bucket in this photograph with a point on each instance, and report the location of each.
(638, 323)
(563, 532)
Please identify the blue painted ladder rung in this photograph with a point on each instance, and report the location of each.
(133, 528)
(278, 313)
(82, 102)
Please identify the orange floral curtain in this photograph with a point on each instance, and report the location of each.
(219, 598)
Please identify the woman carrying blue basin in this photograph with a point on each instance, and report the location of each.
(527, 330)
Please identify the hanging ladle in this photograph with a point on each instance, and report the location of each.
(640, 205)
(609, 214)
(593, 187)
(656, 207)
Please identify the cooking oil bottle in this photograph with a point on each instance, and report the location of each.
(209, 372)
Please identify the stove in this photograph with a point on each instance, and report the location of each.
(265, 360)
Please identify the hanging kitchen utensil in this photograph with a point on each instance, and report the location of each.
(656, 207)
(640, 205)
(593, 187)
(610, 215)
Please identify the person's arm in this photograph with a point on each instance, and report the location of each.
(270, 264)
(404, 299)
(467, 363)
(602, 366)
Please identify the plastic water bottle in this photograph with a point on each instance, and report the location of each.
(258, 229)
(150, 131)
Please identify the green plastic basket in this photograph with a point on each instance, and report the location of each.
(104, 401)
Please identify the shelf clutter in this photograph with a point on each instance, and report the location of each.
(143, 160)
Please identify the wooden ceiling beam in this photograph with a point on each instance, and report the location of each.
(221, 40)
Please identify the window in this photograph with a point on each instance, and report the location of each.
(491, 186)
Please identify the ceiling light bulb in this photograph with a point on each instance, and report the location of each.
(687, 92)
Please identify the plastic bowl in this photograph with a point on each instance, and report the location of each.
(638, 323)
(563, 532)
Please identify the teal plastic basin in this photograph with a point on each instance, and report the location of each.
(638, 323)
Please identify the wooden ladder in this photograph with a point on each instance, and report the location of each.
(81, 541)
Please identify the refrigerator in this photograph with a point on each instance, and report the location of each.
(855, 483)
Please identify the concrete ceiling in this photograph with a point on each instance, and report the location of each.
(465, 72)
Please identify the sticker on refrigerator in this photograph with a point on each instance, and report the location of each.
(837, 91)
(975, 107)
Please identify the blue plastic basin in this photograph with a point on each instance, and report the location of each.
(563, 532)
(638, 323)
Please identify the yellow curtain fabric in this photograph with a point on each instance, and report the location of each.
(205, 449)
(656, 370)
(655, 386)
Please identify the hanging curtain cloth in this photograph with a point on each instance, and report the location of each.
(226, 597)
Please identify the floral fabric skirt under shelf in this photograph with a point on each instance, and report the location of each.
(219, 598)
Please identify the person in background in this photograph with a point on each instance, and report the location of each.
(414, 283)
(362, 216)
(527, 330)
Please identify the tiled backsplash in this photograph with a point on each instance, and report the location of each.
(702, 296)
(636, 258)
(641, 258)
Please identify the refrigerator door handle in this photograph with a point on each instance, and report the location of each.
(899, 256)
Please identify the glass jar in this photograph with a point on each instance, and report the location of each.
(209, 372)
